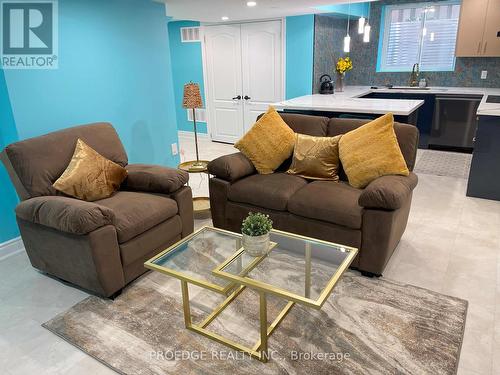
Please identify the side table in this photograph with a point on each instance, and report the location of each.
(201, 205)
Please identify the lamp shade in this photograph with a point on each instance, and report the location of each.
(192, 96)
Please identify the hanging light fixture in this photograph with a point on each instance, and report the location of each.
(367, 29)
(361, 25)
(347, 39)
(366, 35)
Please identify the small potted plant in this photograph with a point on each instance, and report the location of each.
(255, 229)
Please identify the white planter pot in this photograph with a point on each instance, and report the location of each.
(256, 245)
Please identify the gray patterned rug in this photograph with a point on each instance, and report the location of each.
(367, 326)
(444, 163)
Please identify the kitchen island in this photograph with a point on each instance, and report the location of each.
(349, 104)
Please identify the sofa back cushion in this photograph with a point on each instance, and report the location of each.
(36, 163)
(407, 136)
(305, 124)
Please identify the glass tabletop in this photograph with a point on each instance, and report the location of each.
(194, 257)
(299, 268)
(296, 267)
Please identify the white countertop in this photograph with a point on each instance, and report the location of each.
(349, 100)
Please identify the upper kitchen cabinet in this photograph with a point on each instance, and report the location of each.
(491, 38)
(479, 29)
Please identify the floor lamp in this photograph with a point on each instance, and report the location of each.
(192, 100)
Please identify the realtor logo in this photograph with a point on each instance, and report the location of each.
(29, 34)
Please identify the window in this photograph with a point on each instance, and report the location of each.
(423, 33)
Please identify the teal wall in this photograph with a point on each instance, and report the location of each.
(114, 65)
(299, 55)
(356, 9)
(187, 65)
(8, 197)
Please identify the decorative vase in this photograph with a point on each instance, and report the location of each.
(340, 82)
(256, 245)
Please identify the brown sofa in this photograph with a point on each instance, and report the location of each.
(372, 219)
(100, 246)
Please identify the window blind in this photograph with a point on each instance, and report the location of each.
(420, 33)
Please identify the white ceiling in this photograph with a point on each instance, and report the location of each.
(237, 10)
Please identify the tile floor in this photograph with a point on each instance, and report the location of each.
(451, 245)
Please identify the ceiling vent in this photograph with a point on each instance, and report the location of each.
(190, 34)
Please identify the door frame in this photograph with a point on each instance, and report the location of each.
(205, 69)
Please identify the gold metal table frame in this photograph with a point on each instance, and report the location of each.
(239, 282)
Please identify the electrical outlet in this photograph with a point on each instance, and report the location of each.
(484, 74)
(175, 151)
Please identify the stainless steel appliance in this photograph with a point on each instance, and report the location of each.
(455, 122)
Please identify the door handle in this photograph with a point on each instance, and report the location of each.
(484, 49)
(237, 97)
(246, 97)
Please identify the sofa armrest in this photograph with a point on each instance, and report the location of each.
(154, 178)
(388, 192)
(231, 167)
(65, 214)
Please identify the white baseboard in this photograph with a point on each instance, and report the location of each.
(11, 247)
(184, 133)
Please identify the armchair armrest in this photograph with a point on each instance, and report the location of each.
(231, 167)
(65, 214)
(388, 192)
(154, 178)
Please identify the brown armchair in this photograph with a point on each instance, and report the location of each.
(100, 246)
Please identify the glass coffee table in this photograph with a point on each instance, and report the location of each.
(299, 269)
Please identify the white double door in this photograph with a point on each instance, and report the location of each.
(243, 64)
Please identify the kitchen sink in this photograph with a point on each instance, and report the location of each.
(407, 88)
(493, 99)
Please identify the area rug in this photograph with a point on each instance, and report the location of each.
(367, 326)
(443, 163)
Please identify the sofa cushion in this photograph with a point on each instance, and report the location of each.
(334, 202)
(38, 162)
(137, 212)
(269, 191)
(268, 143)
(371, 151)
(89, 175)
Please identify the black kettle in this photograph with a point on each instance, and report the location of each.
(326, 84)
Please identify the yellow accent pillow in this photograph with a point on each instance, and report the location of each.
(268, 143)
(372, 151)
(89, 175)
(316, 158)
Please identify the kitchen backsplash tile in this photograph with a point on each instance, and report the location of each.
(329, 32)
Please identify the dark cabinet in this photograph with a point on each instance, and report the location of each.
(425, 112)
(484, 176)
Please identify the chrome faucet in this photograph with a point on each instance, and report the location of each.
(415, 72)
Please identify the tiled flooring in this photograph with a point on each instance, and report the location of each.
(451, 245)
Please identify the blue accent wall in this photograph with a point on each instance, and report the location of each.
(114, 65)
(8, 197)
(187, 65)
(299, 55)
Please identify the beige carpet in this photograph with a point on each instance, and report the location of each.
(367, 326)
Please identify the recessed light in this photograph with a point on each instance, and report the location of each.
(251, 3)
(224, 18)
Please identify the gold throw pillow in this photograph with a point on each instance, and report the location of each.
(89, 175)
(316, 158)
(268, 143)
(372, 151)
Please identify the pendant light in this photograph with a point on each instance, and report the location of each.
(367, 28)
(347, 39)
(361, 25)
(366, 35)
